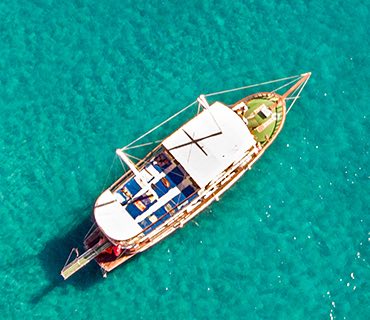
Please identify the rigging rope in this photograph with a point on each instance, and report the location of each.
(122, 164)
(88, 232)
(110, 169)
(293, 94)
(130, 145)
(299, 92)
(131, 156)
(143, 144)
(292, 98)
(251, 86)
(70, 254)
(287, 84)
(159, 125)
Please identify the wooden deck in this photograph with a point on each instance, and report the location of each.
(84, 259)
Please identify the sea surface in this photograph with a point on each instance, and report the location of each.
(78, 79)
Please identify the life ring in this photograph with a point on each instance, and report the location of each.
(117, 250)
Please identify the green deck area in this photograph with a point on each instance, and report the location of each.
(255, 121)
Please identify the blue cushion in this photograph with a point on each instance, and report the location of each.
(188, 191)
(161, 189)
(133, 210)
(160, 212)
(132, 186)
(176, 175)
(146, 222)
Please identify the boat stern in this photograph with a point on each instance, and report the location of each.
(113, 219)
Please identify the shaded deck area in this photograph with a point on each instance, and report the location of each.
(171, 189)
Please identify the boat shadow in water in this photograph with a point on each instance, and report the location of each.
(54, 255)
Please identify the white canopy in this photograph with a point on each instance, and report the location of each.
(113, 219)
(210, 142)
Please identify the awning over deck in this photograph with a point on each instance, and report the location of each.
(113, 219)
(206, 145)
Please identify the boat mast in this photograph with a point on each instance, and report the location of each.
(299, 85)
(129, 163)
(304, 78)
(204, 103)
(142, 181)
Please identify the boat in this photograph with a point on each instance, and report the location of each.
(184, 173)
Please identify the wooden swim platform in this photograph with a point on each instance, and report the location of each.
(84, 259)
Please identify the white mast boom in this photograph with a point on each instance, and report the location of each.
(141, 180)
(130, 164)
(203, 102)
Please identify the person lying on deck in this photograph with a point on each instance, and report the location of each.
(144, 201)
(165, 182)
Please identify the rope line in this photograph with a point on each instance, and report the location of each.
(110, 169)
(250, 86)
(143, 144)
(159, 125)
(287, 84)
(299, 92)
(70, 254)
(291, 98)
(293, 94)
(130, 145)
(88, 232)
(131, 156)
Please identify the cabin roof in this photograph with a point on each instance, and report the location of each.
(210, 142)
(131, 208)
(113, 219)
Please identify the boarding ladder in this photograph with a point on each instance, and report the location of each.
(84, 259)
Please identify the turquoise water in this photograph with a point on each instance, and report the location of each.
(78, 80)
